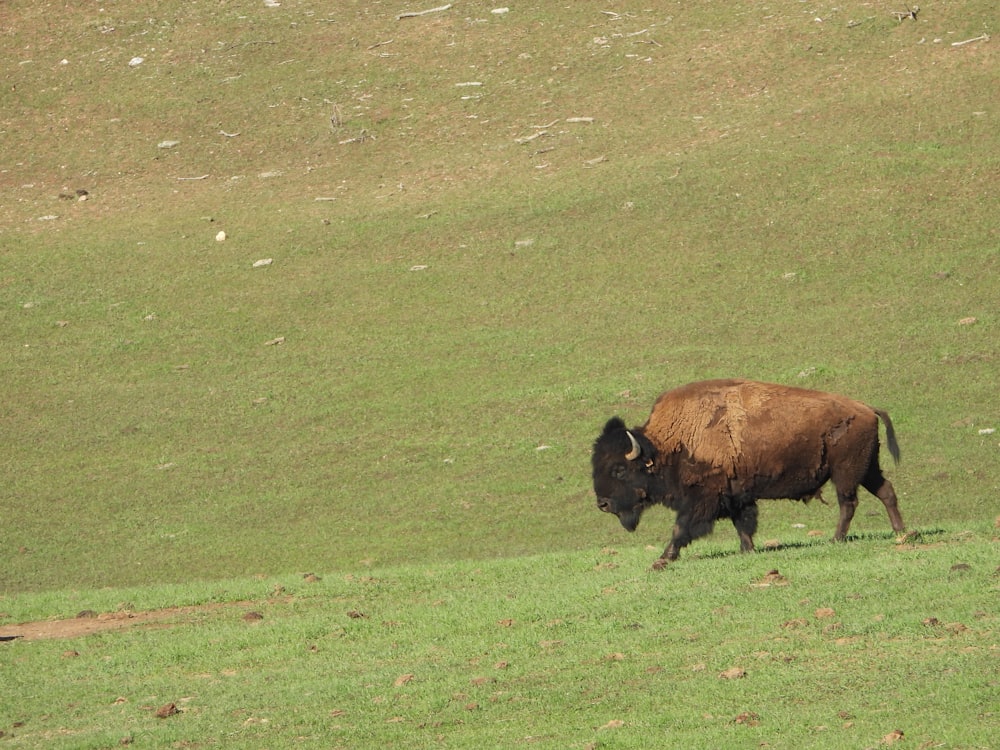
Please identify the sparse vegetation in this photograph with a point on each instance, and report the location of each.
(488, 233)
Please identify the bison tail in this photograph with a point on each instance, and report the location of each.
(890, 434)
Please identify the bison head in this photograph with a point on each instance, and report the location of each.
(624, 480)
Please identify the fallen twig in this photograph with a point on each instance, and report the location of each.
(530, 138)
(415, 13)
(908, 13)
(580, 119)
(228, 135)
(360, 138)
(982, 38)
(193, 179)
(249, 44)
(381, 44)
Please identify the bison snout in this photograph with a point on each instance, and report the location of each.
(604, 504)
(629, 519)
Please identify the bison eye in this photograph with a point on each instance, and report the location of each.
(618, 472)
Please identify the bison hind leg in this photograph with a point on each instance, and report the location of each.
(848, 502)
(882, 488)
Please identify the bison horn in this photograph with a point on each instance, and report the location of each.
(636, 451)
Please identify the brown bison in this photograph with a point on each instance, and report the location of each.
(710, 450)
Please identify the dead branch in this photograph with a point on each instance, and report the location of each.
(908, 13)
(530, 138)
(982, 38)
(381, 44)
(362, 137)
(193, 179)
(415, 13)
(612, 16)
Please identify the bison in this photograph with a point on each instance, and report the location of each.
(710, 450)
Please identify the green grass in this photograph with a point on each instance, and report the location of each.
(589, 649)
(460, 308)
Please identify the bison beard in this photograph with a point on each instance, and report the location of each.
(710, 450)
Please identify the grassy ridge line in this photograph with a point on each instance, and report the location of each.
(845, 645)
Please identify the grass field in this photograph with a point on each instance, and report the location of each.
(858, 645)
(487, 233)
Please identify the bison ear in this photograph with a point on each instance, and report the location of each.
(614, 424)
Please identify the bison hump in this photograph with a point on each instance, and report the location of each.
(710, 423)
(736, 426)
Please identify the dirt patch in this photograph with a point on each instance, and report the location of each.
(88, 623)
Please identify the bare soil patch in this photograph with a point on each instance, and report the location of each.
(89, 623)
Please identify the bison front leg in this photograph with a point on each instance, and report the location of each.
(685, 531)
(745, 521)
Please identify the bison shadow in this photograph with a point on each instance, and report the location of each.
(912, 537)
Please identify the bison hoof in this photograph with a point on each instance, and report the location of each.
(660, 564)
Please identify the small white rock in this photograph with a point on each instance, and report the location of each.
(168, 144)
(987, 431)
(220, 237)
(500, 11)
(263, 262)
(135, 62)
